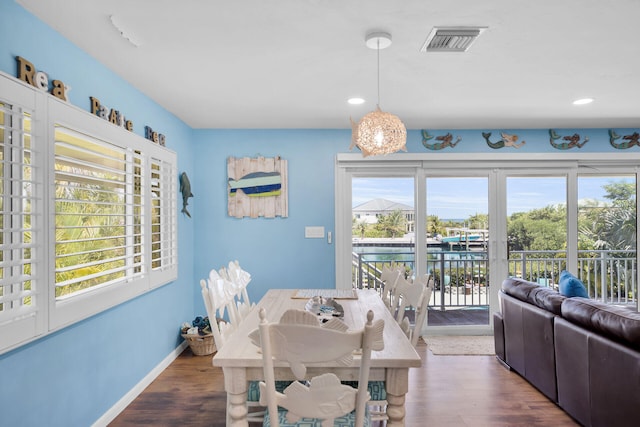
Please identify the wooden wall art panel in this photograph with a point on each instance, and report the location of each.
(257, 187)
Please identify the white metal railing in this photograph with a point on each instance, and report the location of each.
(461, 277)
(609, 276)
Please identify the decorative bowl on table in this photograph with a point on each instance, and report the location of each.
(324, 308)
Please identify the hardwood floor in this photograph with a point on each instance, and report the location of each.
(446, 391)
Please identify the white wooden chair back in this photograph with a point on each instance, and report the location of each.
(389, 278)
(300, 340)
(227, 291)
(216, 307)
(241, 279)
(415, 295)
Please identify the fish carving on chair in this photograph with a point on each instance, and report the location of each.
(326, 398)
(445, 141)
(286, 345)
(508, 140)
(570, 140)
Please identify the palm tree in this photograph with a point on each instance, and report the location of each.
(393, 224)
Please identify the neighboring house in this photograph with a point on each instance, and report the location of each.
(373, 209)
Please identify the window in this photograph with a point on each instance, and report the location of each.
(98, 213)
(88, 214)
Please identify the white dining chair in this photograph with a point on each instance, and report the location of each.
(241, 279)
(217, 307)
(217, 303)
(414, 296)
(299, 340)
(226, 290)
(389, 278)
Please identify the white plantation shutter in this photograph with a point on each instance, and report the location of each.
(88, 213)
(22, 286)
(113, 208)
(164, 228)
(99, 193)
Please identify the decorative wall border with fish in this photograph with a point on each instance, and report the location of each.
(257, 187)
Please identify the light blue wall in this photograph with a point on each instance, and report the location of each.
(73, 377)
(274, 250)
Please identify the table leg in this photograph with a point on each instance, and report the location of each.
(397, 385)
(235, 383)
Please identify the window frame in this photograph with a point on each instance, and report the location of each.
(53, 314)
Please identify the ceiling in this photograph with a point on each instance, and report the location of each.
(294, 63)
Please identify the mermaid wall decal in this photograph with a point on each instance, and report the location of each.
(444, 141)
(628, 141)
(569, 141)
(508, 140)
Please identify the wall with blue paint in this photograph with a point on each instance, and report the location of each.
(273, 250)
(74, 376)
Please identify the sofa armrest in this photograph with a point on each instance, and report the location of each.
(498, 335)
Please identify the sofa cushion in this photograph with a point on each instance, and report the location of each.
(540, 296)
(570, 286)
(617, 323)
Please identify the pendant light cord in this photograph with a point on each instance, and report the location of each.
(378, 104)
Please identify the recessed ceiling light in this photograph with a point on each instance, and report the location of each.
(355, 101)
(583, 101)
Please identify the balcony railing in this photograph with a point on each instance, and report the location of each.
(609, 276)
(461, 277)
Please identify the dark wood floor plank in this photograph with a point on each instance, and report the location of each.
(447, 391)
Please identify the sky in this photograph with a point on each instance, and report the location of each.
(453, 198)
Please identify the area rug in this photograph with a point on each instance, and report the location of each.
(461, 344)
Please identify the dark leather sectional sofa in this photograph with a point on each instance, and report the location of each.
(582, 354)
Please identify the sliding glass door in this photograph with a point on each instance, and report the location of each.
(472, 222)
(383, 227)
(457, 221)
(607, 237)
(536, 219)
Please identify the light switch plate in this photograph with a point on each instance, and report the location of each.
(314, 232)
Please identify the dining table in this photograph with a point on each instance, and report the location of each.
(241, 360)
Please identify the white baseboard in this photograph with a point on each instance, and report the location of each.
(121, 404)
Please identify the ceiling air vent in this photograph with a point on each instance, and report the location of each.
(451, 39)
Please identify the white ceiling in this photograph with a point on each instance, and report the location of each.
(294, 63)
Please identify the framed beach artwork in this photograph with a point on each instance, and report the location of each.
(257, 187)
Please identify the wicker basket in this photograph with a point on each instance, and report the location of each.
(201, 345)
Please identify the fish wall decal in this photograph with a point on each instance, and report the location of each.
(185, 189)
(257, 184)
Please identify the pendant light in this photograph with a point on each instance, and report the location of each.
(379, 132)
